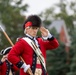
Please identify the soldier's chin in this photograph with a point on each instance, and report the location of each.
(34, 35)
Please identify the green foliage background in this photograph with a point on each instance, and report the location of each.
(12, 21)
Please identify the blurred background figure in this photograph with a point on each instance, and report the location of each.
(6, 68)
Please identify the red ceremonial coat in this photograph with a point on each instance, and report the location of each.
(23, 49)
(5, 67)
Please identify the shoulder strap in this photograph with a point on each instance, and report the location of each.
(36, 50)
(28, 41)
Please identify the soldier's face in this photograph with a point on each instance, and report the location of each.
(32, 31)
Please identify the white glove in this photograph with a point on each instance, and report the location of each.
(25, 67)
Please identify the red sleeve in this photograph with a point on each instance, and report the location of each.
(51, 44)
(15, 53)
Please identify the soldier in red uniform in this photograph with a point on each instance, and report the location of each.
(32, 48)
(6, 68)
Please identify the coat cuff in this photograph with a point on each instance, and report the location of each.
(50, 39)
(19, 64)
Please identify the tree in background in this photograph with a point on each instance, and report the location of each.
(57, 59)
(57, 62)
(73, 49)
(50, 14)
(11, 19)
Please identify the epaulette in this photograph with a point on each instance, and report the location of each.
(18, 38)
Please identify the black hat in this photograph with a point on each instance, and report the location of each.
(32, 20)
(5, 51)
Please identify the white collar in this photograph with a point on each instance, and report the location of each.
(30, 36)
